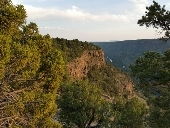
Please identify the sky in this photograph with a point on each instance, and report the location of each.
(90, 20)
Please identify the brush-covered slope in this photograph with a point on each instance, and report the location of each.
(94, 93)
(86, 61)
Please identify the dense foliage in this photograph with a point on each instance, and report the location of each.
(111, 80)
(30, 71)
(130, 113)
(157, 17)
(82, 106)
(152, 70)
(73, 48)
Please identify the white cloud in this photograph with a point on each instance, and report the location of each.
(59, 28)
(140, 1)
(74, 7)
(72, 14)
(139, 5)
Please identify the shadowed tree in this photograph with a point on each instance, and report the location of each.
(152, 72)
(157, 17)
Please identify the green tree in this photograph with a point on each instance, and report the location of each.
(82, 106)
(30, 71)
(11, 17)
(154, 67)
(110, 79)
(152, 71)
(147, 68)
(129, 113)
(157, 17)
(132, 114)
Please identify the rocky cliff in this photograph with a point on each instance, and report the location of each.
(79, 68)
(109, 78)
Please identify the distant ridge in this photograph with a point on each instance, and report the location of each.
(113, 40)
(123, 53)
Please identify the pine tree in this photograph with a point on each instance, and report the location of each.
(157, 17)
(30, 71)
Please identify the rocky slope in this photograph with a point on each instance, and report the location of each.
(113, 81)
(86, 61)
(79, 68)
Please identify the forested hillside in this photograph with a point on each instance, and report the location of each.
(38, 89)
(73, 48)
(98, 98)
(123, 53)
(113, 81)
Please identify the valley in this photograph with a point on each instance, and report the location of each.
(123, 53)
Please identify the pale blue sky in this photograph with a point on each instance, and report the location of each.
(90, 20)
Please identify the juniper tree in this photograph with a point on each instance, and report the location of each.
(30, 71)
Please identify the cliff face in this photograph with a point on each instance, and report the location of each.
(80, 66)
(125, 86)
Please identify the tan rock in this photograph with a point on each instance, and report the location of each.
(79, 68)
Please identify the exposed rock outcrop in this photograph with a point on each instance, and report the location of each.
(79, 68)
